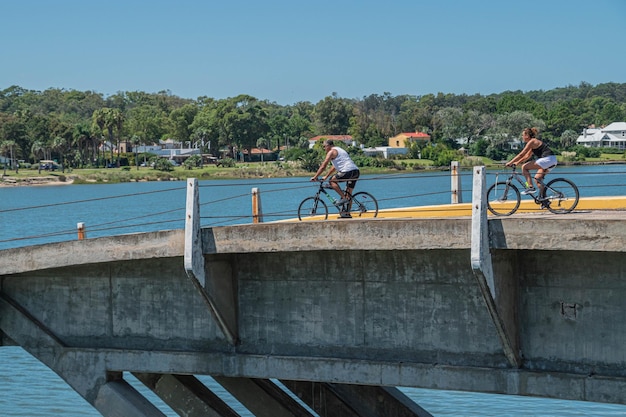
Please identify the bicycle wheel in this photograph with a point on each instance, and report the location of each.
(503, 199)
(312, 208)
(363, 203)
(560, 196)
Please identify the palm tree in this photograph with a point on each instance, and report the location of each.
(136, 141)
(261, 143)
(60, 145)
(118, 121)
(38, 151)
(109, 119)
(81, 136)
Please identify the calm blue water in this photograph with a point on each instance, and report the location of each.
(41, 214)
(35, 215)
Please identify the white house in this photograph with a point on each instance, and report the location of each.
(611, 136)
(385, 151)
(346, 139)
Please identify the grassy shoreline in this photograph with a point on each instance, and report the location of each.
(241, 171)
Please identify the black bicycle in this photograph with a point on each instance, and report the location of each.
(558, 196)
(359, 205)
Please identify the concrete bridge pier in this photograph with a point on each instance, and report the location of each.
(186, 395)
(85, 372)
(328, 399)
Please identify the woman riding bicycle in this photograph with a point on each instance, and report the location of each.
(544, 162)
(344, 166)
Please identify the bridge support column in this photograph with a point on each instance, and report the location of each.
(217, 289)
(328, 400)
(186, 395)
(482, 268)
(84, 371)
(263, 398)
(118, 398)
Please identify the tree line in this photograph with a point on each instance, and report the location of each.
(76, 127)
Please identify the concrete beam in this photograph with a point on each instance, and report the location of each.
(262, 397)
(119, 399)
(356, 234)
(328, 399)
(581, 231)
(150, 245)
(550, 384)
(186, 395)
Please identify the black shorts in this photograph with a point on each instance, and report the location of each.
(349, 177)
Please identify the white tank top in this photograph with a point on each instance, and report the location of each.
(342, 161)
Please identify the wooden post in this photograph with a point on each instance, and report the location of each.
(81, 230)
(455, 185)
(257, 212)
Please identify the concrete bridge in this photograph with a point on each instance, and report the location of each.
(340, 312)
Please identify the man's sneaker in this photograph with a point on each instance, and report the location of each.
(344, 215)
(341, 202)
(529, 190)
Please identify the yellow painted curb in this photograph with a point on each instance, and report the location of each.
(526, 206)
(465, 209)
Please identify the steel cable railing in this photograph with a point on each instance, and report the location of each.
(284, 191)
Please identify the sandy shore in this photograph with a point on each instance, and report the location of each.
(33, 181)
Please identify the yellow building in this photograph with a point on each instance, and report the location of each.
(403, 139)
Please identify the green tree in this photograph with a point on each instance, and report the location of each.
(449, 123)
(81, 139)
(207, 128)
(571, 114)
(261, 143)
(568, 139)
(135, 141)
(517, 101)
(111, 121)
(39, 150)
(416, 115)
(7, 147)
(148, 122)
(181, 120)
(245, 122)
(60, 145)
(332, 116)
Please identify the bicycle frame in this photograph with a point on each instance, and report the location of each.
(323, 187)
(519, 177)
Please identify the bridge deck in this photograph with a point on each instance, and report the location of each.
(386, 302)
(585, 205)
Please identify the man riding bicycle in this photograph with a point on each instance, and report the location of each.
(345, 168)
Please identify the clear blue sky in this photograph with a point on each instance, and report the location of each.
(288, 51)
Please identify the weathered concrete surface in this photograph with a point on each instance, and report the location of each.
(161, 244)
(387, 302)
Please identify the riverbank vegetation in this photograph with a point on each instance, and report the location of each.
(275, 169)
(84, 132)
